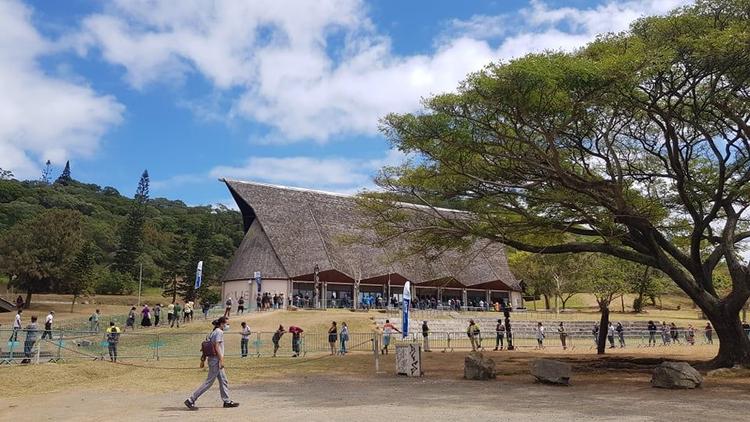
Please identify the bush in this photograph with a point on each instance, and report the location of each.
(638, 305)
(115, 283)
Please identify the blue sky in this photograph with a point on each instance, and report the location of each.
(285, 92)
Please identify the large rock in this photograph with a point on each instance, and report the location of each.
(477, 367)
(676, 375)
(551, 371)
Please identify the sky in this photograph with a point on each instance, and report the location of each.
(282, 92)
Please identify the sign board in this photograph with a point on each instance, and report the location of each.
(409, 359)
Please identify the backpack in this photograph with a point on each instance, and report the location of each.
(207, 348)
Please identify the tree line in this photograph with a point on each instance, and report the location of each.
(69, 237)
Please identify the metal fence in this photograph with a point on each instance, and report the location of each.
(18, 346)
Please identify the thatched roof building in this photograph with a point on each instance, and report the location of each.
(290, 231)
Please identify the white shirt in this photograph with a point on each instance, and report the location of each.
(540, 333)
(49, 319)
(17, 322)
(246, 332)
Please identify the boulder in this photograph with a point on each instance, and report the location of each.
(551, 371)
(477, 367)
(676, 375)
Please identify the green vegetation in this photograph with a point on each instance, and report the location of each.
(75, 238)
(636, 146)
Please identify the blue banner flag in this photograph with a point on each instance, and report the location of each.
(199, 275)
(405, 312)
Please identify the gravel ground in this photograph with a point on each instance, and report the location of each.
(330, 397)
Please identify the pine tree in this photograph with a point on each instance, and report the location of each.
(46, 172)
(80, 280)
(64, 178)
(131, 238)
(174, 268)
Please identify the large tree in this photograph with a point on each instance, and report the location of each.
(38, 252)
(636, 146)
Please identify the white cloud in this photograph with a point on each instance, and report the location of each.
(320, 70)
(41, 116)
(337, 174)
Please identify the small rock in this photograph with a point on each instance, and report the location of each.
(477, 367)
(84, 343)
(551, 371)
(676, 375)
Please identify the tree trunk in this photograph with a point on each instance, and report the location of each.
(73, 303)
(734, 345)
(601, 345)
(27, 304)
(546, 301)
(622, 303)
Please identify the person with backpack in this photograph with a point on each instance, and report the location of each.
(213, 352)
(245, 332)
(113, 338)
(620, 330)
(228, 309)
(296, 339)
(277, 338)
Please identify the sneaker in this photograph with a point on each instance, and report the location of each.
(190, 405)
(231, 404)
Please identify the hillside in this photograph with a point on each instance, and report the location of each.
(171, 236)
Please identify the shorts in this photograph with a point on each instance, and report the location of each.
(386, 340)
(332, 338)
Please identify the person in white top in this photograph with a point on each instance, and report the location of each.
(540, 336)
(245, 338)
(48, 325)
(16, 326)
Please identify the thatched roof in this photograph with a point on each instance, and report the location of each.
(290, 230)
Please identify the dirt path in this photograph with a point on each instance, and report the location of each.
(325, 398)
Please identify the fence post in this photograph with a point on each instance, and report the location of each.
(59, 346)
(157, 346)
(448, 347)
(257, 344)
(375, 351)
(12, 346)
(38, 351)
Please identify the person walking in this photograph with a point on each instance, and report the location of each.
(157, 314)
(245, 332)
(177, 314)
(611, 335)
(296, 339)
(651, 334)
(426, 336)
(170, 314)
(16, 326)
(189, 311)
(332, 334)
(113, 338)
(130, 322)
(213, 352)
(19, 303)
(94, 320)
(563, 335)
(499, 334)
(674, 333)
(277, 338)
(665, 339)
(690, 335)
(228, 307)
(388, 330)
(620, 330)
(145, 316)
(32, 332)
(48, 325)
(206, 307)
(241, 306)
(539, 335)
(709, 333)
(343, 338)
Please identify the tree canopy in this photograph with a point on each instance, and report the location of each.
(636, 146)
